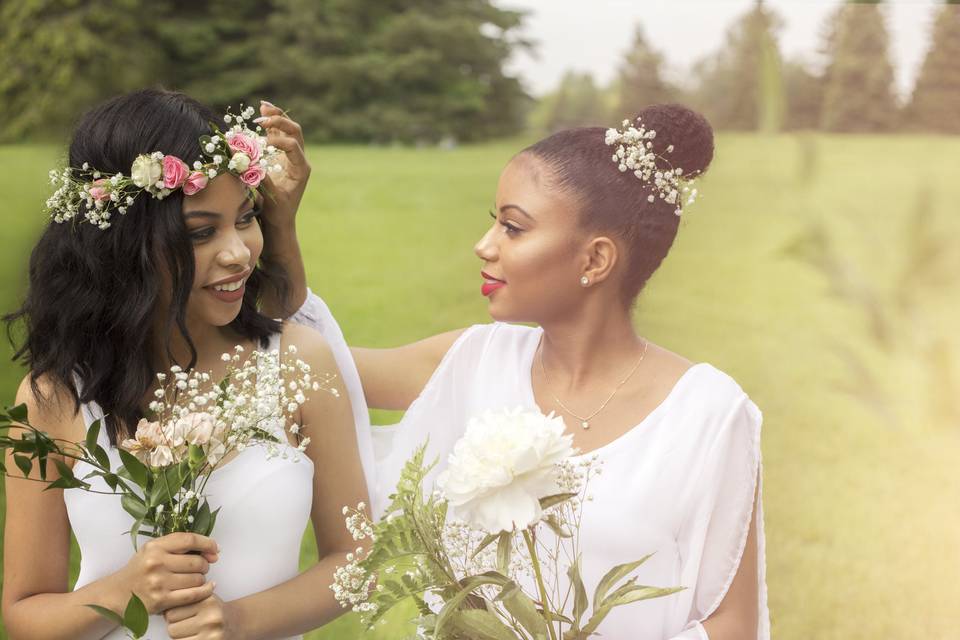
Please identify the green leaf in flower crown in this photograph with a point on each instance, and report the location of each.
(135, 617)
(24, 463)
(552, 501)
(504, 551)
(93, 433)
(137, 471)
(479, 624)
(106, 613)
(614, 576)
(521, 607)
(18, 413)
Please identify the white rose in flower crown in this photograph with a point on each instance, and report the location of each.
(145, 171)
(240, 162)
(502, 466)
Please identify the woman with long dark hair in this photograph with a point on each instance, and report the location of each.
(124, 287)
(582, 220)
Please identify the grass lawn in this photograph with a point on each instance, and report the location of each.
(861, 491)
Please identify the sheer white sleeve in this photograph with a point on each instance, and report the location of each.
(314, 313)
(714, 533)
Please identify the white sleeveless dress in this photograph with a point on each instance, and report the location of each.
(680, 484)
(265, 507)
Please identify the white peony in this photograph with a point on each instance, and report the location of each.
(502, 466)
(146, 171)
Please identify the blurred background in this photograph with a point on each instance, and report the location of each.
(819, 269)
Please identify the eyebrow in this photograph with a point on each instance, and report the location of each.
(518, 208)
(213, 214)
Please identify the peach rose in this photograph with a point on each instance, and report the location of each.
(100, 189)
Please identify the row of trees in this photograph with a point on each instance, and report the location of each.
(354, 70)
(748, 86)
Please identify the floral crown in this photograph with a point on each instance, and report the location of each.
(242, 151)
(635, 153)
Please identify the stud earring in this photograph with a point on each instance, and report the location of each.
(584, 280)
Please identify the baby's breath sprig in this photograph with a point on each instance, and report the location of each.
(635, 153)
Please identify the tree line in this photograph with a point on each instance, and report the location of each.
(347, 70)
(748, 85)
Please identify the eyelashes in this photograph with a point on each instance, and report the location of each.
(510, 229)
(205, 233)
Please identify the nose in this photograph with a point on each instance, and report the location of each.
(486, 247)
(235, 252)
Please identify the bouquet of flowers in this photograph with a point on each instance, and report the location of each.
(494, 553)
(194, 424)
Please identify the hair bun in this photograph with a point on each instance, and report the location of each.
(688, 131)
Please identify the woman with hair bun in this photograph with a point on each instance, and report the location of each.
(152, 259)
(582, 220)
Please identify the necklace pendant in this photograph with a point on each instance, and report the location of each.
(585, 425)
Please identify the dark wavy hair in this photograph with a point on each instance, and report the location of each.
(89, 319)
(580, 164)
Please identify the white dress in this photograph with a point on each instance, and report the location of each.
(680, 484)
(265, 508)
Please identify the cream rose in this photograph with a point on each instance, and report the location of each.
(146, 171)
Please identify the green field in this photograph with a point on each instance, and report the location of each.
(844, 339)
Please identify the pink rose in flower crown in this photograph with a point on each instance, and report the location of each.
(175, 172)
(195, 182)
(242, 143)
(100, 189)
(253, 176)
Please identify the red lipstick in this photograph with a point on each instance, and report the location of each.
(490, 284)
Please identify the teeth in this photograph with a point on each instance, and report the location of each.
(230, 286)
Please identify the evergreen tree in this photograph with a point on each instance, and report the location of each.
(858, 83)
(804, 95)
(741, 86)
(61, 57)
(577, 103)
(641, 80)
(401, 70)
(935, 105)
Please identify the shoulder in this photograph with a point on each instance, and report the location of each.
(721, 406)
(51, 407)
(311, 346)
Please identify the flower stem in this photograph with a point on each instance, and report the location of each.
(536, 570)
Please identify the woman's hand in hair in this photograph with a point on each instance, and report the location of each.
(281, 250)
(285, 188)
(165, 574)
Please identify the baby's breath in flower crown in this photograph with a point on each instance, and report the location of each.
(240, 150)
(635, 153)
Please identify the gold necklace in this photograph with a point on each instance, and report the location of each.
(585, 421)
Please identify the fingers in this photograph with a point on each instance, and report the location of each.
(281, 123)
(184, 542)
(185, 580)
(193, 595)
(288, 145)
(186, 563)
(176, 614)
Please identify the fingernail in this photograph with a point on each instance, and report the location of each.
(269, 104)
(260, 119)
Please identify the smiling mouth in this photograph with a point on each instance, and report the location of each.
(230, 286)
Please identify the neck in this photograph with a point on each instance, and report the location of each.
(590, 347)
(209, 341)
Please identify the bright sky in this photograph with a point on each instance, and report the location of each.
(592, 35)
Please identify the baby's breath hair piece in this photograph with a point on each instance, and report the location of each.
(635, 153)
(85, 191)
